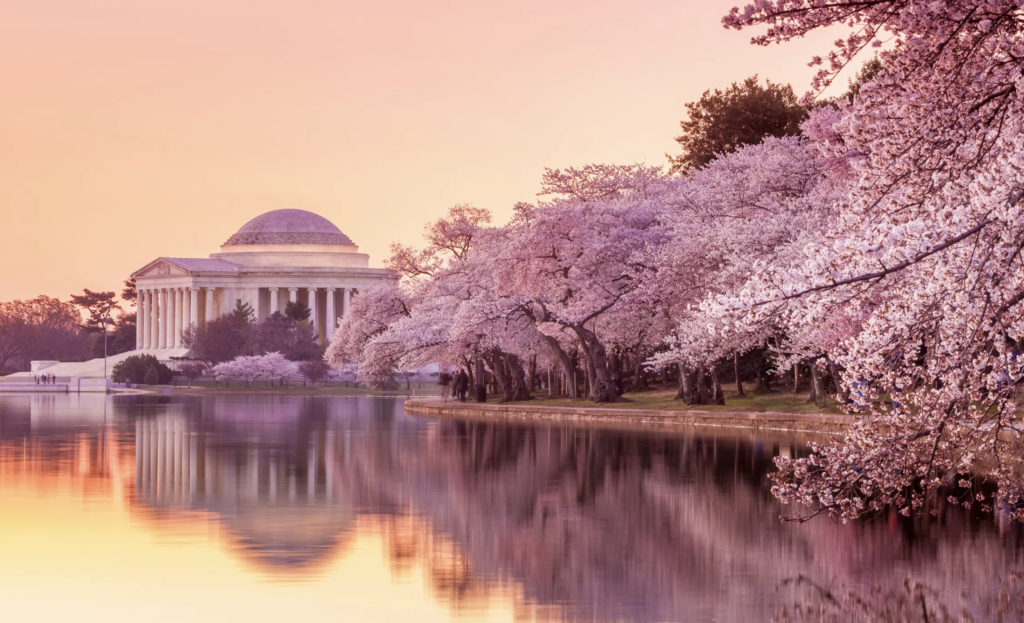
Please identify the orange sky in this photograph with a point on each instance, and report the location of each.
(133, 129)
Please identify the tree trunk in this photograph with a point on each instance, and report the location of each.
(480, 396)
(817, 387)
(703, 389)
(764, 384)
(615, 372)
(685, 391)
(717, 396)
(842, 393)
(796, 378)
(601, 387)
(520, 389)
(639, 376)
(533, 373)
(736, 371)
(497, 365)
(563, 358)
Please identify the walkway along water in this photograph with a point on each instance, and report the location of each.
(631, 418)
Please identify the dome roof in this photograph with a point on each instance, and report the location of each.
(289, 227)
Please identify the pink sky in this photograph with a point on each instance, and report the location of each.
(133, 129)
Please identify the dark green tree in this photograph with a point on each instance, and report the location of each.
(129, 292)
(120, 339)
(242, 312)
(744, 114)
(135, 369)
(219, 340)
(293, 339)
(99, 306)
(314, 370)
(192, 370)
(152, 376)
(297, 310)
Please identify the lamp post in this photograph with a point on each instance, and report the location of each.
(106, 320)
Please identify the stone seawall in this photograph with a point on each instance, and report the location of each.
(632, 418)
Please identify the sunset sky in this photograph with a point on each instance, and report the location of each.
(133, 129)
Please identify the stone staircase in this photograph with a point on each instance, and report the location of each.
(92, 369)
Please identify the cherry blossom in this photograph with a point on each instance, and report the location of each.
(925, 250)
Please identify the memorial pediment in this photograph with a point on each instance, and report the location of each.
(160, 268)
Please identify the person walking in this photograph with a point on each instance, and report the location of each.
(462, 385)
(445, 380)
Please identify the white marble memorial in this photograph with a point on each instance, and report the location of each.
(277, 257)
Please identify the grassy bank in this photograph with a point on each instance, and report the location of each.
(782, 400)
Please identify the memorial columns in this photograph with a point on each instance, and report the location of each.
(313, 320)
(273, 301)
(253, 298)
(293, 295)
(179, 315)
(209, 303)
(154, 316)
(171, 302)
(154, 319)
(162, 331)
(329, 321)
(140, 320)
(345, 301)
(193, 301)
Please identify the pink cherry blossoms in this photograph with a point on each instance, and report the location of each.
(924, 254)
(882, 248)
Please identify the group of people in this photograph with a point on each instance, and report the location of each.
(460, 384)
(45, 379)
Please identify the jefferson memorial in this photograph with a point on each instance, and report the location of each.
(277, 257)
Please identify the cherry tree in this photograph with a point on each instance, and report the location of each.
(250, 368)
(759, 205)
(369, 316)
(572, 260)
(927, 245)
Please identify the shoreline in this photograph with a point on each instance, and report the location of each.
(643, 419)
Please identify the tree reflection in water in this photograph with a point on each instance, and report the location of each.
(584, 523)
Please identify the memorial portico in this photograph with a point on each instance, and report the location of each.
(276, 258)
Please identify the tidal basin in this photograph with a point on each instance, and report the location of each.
(160, 508)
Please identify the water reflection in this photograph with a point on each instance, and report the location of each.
(568, 523)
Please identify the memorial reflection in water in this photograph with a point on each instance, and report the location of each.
(529, 522)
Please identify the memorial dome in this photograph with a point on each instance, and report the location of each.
(289, 227)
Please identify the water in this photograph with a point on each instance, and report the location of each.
(238, 508)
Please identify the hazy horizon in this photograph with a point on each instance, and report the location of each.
(132, 132)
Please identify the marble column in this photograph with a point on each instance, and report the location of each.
(140, 320)
(193, 303)
(154, 318)
(273, 301)
(179, 315)
(169, 334)
(162, 313)
(172, 303)
(253, 298)
(209, 303)
(313, 320)
(293, 294)
(329, 320)
(345, 301)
